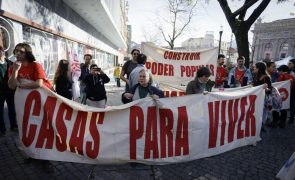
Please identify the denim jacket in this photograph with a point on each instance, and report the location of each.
(248, 79)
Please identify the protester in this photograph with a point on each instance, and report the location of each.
(134, 75)
(272, 97)
(95, 90)
(239, 75)
(221, 73)
(285, 75)
(201, 83)
(62, 79)
(6, 95)
(85, 70)
(117, 73)
(142, 89)
(23, 69)
(128, 67)
(271, 70)
(229, 66)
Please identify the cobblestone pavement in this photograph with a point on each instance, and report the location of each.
(262, 161)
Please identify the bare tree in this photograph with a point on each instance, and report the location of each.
(180, 16)
(239, 26)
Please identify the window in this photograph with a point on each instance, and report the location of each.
(268, 47)
(284, 47)
(283, 55)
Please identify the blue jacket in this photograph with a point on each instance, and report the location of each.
(248, 79)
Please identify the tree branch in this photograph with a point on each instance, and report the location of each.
(188, 21)
(244, 8)
(162, 32)
(227, 12)
(256, 13)
(243, 13)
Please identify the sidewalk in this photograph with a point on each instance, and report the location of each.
(251, 162)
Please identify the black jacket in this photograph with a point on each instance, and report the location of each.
(4, 79)
(63, 86)
(95, 89)
(84, 71)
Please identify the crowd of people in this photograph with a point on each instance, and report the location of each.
(261, 73)
(26, 73)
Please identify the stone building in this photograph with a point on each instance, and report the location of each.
(274, 40)
(66, 29)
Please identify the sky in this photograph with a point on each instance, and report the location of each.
(143, 15)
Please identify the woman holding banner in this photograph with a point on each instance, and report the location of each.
(142, 89)
(25, 68)
(26, 73)
(272, 101)
(201, 83)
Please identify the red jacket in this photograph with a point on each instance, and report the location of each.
(287, 76)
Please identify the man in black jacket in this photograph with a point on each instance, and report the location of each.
(85, 70)
(95, 90)
(6, 95)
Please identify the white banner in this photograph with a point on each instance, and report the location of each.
(166, 130)
(284, 88)
(287, 172)
(176, 67)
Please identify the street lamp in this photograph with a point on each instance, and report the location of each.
(220, 34)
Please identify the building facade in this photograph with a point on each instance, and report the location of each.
(66, 29)
(199, 43)
(207, 42)
(274, 40)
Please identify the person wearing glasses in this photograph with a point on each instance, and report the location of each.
(6, 95)
(201, 83)
(96, 95)
(25, 68)
(128, 67)
(27, 74)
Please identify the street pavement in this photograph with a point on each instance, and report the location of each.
(262, 161)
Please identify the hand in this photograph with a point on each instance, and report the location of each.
(205, 92)
(17, 65)
(128, 95)
(224, 79)
(20, 85)
(264, 86)
(154, 96)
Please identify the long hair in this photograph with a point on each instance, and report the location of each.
(62, 70)
(261, 67)
(29, 53)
